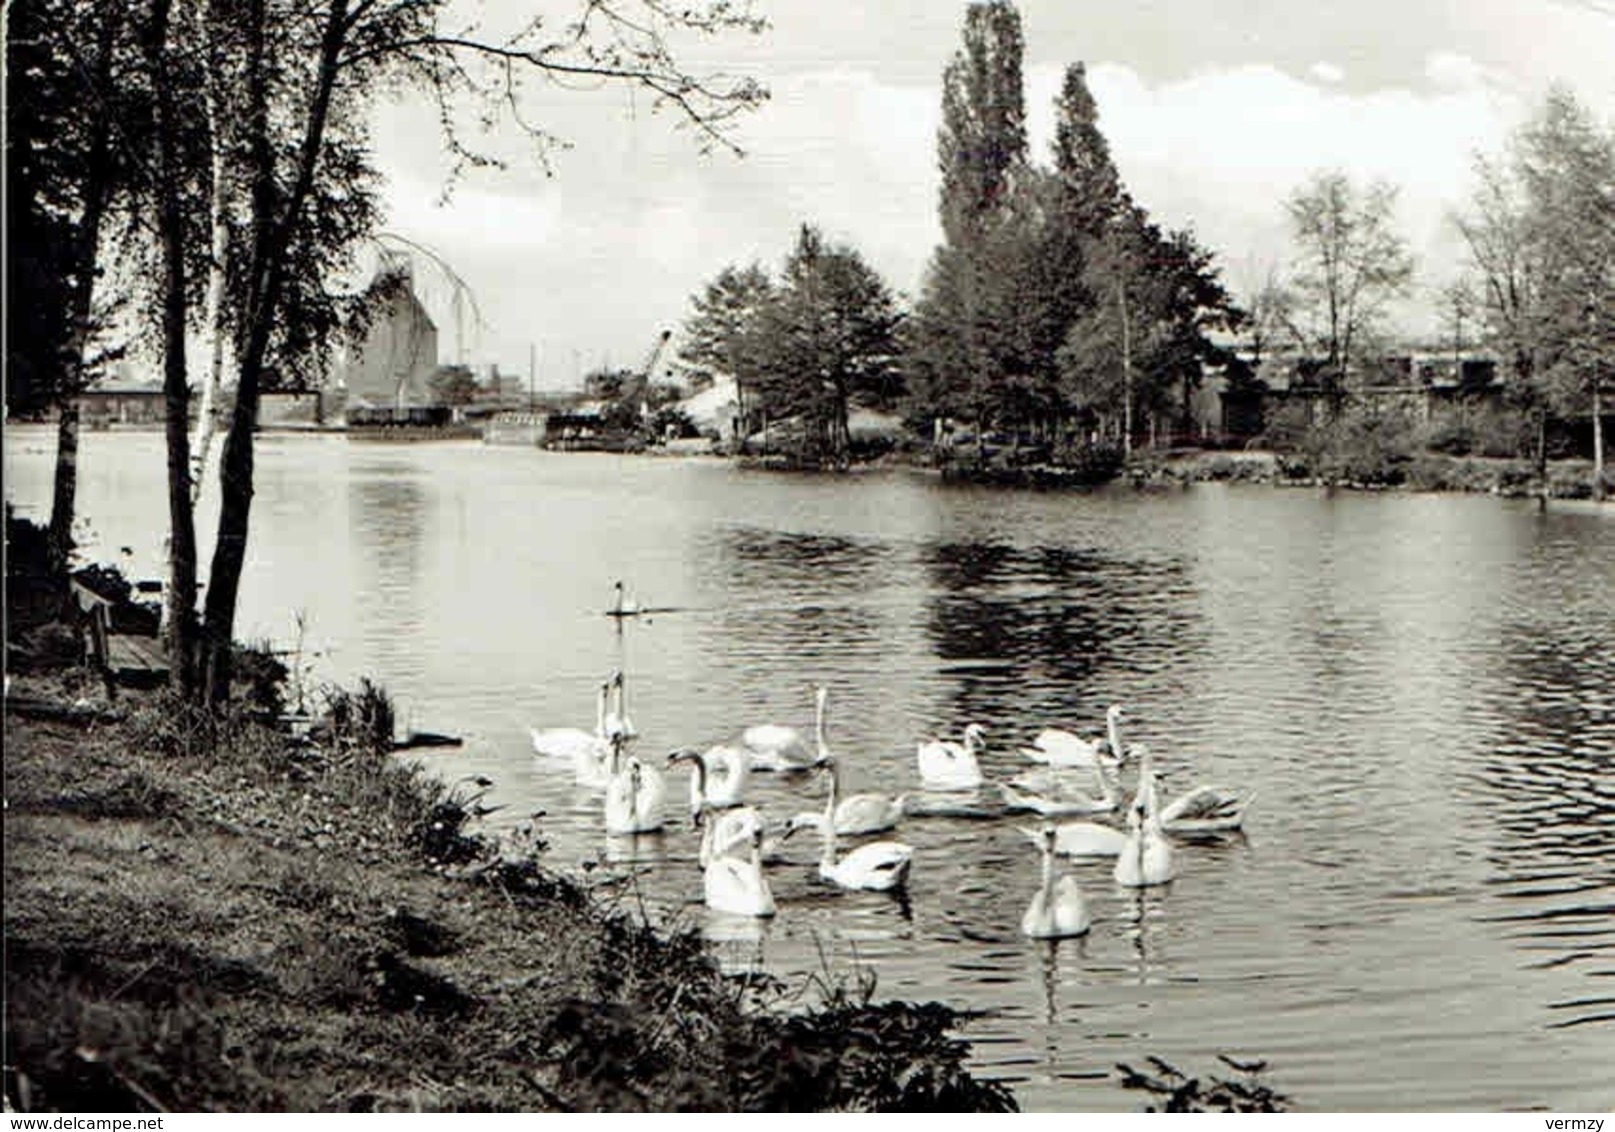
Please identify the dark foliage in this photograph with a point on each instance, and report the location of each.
(1214, 1094)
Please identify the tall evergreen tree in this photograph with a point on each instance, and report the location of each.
(716, 333)
(981, 144)
(826, 341)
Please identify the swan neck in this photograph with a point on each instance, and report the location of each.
(827, 857)
(834, 793)
(600, 711)
(1048, 876)
(700, 772)
(1113, 729)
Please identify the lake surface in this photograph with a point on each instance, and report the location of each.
(1420, 689)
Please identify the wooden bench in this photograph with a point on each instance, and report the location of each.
(121, 658)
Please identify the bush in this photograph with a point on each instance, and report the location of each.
(1369, 451)
(362, 719)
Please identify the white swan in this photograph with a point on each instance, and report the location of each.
(1204, 809)
(1057, 909)
(1146, 859)
(588, 752)
(617, 721)
(731, 883)
(860, 813)
(945, 765)
(878, 866)
(636, 796)
(774, 747)
(1089, 839)
(725, 831)
(718, 778)
(621, 606)
(1058, 748)
(1060, 805)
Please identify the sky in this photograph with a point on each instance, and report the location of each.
(1215, 110)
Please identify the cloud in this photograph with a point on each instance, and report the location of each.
(1449, 70)
(600, 257)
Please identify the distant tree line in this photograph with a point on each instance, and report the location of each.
(1055, 312)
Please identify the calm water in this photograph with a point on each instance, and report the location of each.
(1421, 689)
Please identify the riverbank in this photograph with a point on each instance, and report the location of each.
(280, 925)
(1427, 472)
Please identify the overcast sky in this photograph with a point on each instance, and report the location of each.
(1215, 110)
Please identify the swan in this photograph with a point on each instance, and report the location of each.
(1088, 839)
(1057, 909)
(621, 606)
(1205, 809)
(722, 832)
(861, 813)
(719, 775)
(1104, 803)
(734, 884)
(946, 765)
(636, 795)
(774, 747)
(617, 721)
(879, 866)
(1146, 859)
(1058, 748)
(588, 752)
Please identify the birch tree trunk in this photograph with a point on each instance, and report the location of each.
(271, 253)
(181, 597)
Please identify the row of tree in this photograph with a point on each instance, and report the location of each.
(1541, 235)
(1054, 307)
(201, 170)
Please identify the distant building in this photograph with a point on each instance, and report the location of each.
(391, 367)
(131, 405)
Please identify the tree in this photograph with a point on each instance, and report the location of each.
(1350, 261)
(1567, 167)
(454, 385)
(67, 64)
(715, 334)
(1540, 228)
(303, 80)
(826, 340)
(981, 144)
(1145, 344)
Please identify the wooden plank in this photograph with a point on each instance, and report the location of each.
(136, 654)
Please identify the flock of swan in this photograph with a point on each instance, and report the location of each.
(734, 850)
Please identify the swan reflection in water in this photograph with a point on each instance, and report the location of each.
(1141, 914)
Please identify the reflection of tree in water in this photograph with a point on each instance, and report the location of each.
(1051, 618)
(802, 564)
(800, 602)
(1548, 788)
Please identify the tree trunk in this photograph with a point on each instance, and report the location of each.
(270, 261)
(1598, 441)
(181, 597)
(215, 297)
(98, 188)
(60, 537)
(1542, 453)
(1127, 372)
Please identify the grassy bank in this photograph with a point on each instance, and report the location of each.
(1427, 471)
(259, 924)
